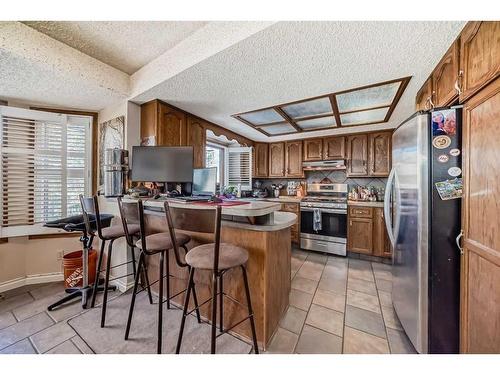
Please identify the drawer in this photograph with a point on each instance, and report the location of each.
(361, 212)
(290, 207)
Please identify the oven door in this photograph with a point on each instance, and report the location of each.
(333, 224)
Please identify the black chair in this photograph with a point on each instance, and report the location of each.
(90, 208)
(77, 223)
(218, 258)
(158, 243)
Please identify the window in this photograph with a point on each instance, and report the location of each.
(215, 158)
(239, 167)
(45, 166)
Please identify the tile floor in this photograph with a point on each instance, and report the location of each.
(337, 305)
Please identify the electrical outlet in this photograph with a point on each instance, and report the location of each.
(59, 255)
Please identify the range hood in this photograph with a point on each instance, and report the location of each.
(330, 165)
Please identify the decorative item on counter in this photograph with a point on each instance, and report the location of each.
(292, 187)
(276, 189)
(229, 191)
(301, 191)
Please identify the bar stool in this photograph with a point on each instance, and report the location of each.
(158, 243)
(90, 209)
(218, 258)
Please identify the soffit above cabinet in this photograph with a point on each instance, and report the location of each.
(372, 104)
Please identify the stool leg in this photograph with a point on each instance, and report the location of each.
(97, 273)
(195, 299)
(214, 312)
(221, 305)
(132, 253)
(160, 302)
(168, 279)
(185, 309)
(146, 278)
(250, 311)
(134, 292)
(106, 283)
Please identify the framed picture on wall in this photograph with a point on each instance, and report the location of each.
(111, 135)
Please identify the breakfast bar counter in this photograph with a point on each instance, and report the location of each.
(265, 233)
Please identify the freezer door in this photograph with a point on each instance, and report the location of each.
(410, 208)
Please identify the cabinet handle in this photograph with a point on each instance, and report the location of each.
(457, 240)
(458, 82)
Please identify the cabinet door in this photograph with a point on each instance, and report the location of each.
(277, 160)
(149, 119)
(480, 263)
(334, 148)
(172, 129)
(359, 235)
(479, 56)
(381, 244)
(423, 99)
(445, 77)
(197, 138)
(380, 154)
(261, 159)
(293, 159)
(313, 149)
(295, 229)
(357, 155)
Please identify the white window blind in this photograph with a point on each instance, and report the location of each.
(239, 167)
(45, 165)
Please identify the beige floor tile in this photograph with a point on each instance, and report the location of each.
(358, 342)
(363, 274)
(335, 271)
(336, 259)
(326, 319)
(300, 299)
(385, 298)
(384, 285)
(47, 290)
(311, 270)
(304, 285)
(296, 264)
(364, 320)
(6, 319)
(283, 342)
(363, 301)
(67, 347)
(383, 275)
(333, 284)
(52, 336)
(360, 264)
(293, 320)
(317, 257)
(390, 318)
(381, 266)
(364, 286)
(20, 347)
(316, 341)
(399, 342)
(23, 329)
(82, 345)
(13, 302)
(37, 306)
(331, 300)
(299, 254)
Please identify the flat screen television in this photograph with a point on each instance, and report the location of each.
(162, 164)
(204, 181)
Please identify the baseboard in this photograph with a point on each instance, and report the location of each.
(30, 280)
(122, 286)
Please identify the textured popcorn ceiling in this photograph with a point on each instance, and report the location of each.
(125, 45)
(295, 60)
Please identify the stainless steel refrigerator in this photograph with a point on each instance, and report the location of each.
(422, 210)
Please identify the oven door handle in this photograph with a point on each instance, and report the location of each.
(325, 210)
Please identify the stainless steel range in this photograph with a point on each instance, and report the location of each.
(323, 218)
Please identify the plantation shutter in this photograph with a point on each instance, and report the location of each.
(239, 167)
(44, 165)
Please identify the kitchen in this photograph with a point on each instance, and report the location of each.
(354, 206)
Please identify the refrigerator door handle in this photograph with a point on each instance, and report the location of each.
(457, 240)
(387, 208)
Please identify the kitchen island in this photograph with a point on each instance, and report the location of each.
(264, 232)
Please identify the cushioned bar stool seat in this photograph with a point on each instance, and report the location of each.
(230, 256)
(117, 231)
(162, 241)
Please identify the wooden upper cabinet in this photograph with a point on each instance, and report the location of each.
(357, 155)
(277, 159)
(479, 56)
(261, 160)
(379, 154)
(172, 128)
(334, 148)
(293, 159)
(423, 99)
(198, 139)
(445, 77)
(313, 149)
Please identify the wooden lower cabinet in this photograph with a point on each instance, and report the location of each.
(295, 208)
(366, 233)
(480, 265)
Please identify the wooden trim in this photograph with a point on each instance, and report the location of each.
(95, 127)
(53, 235)
(333, 102)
